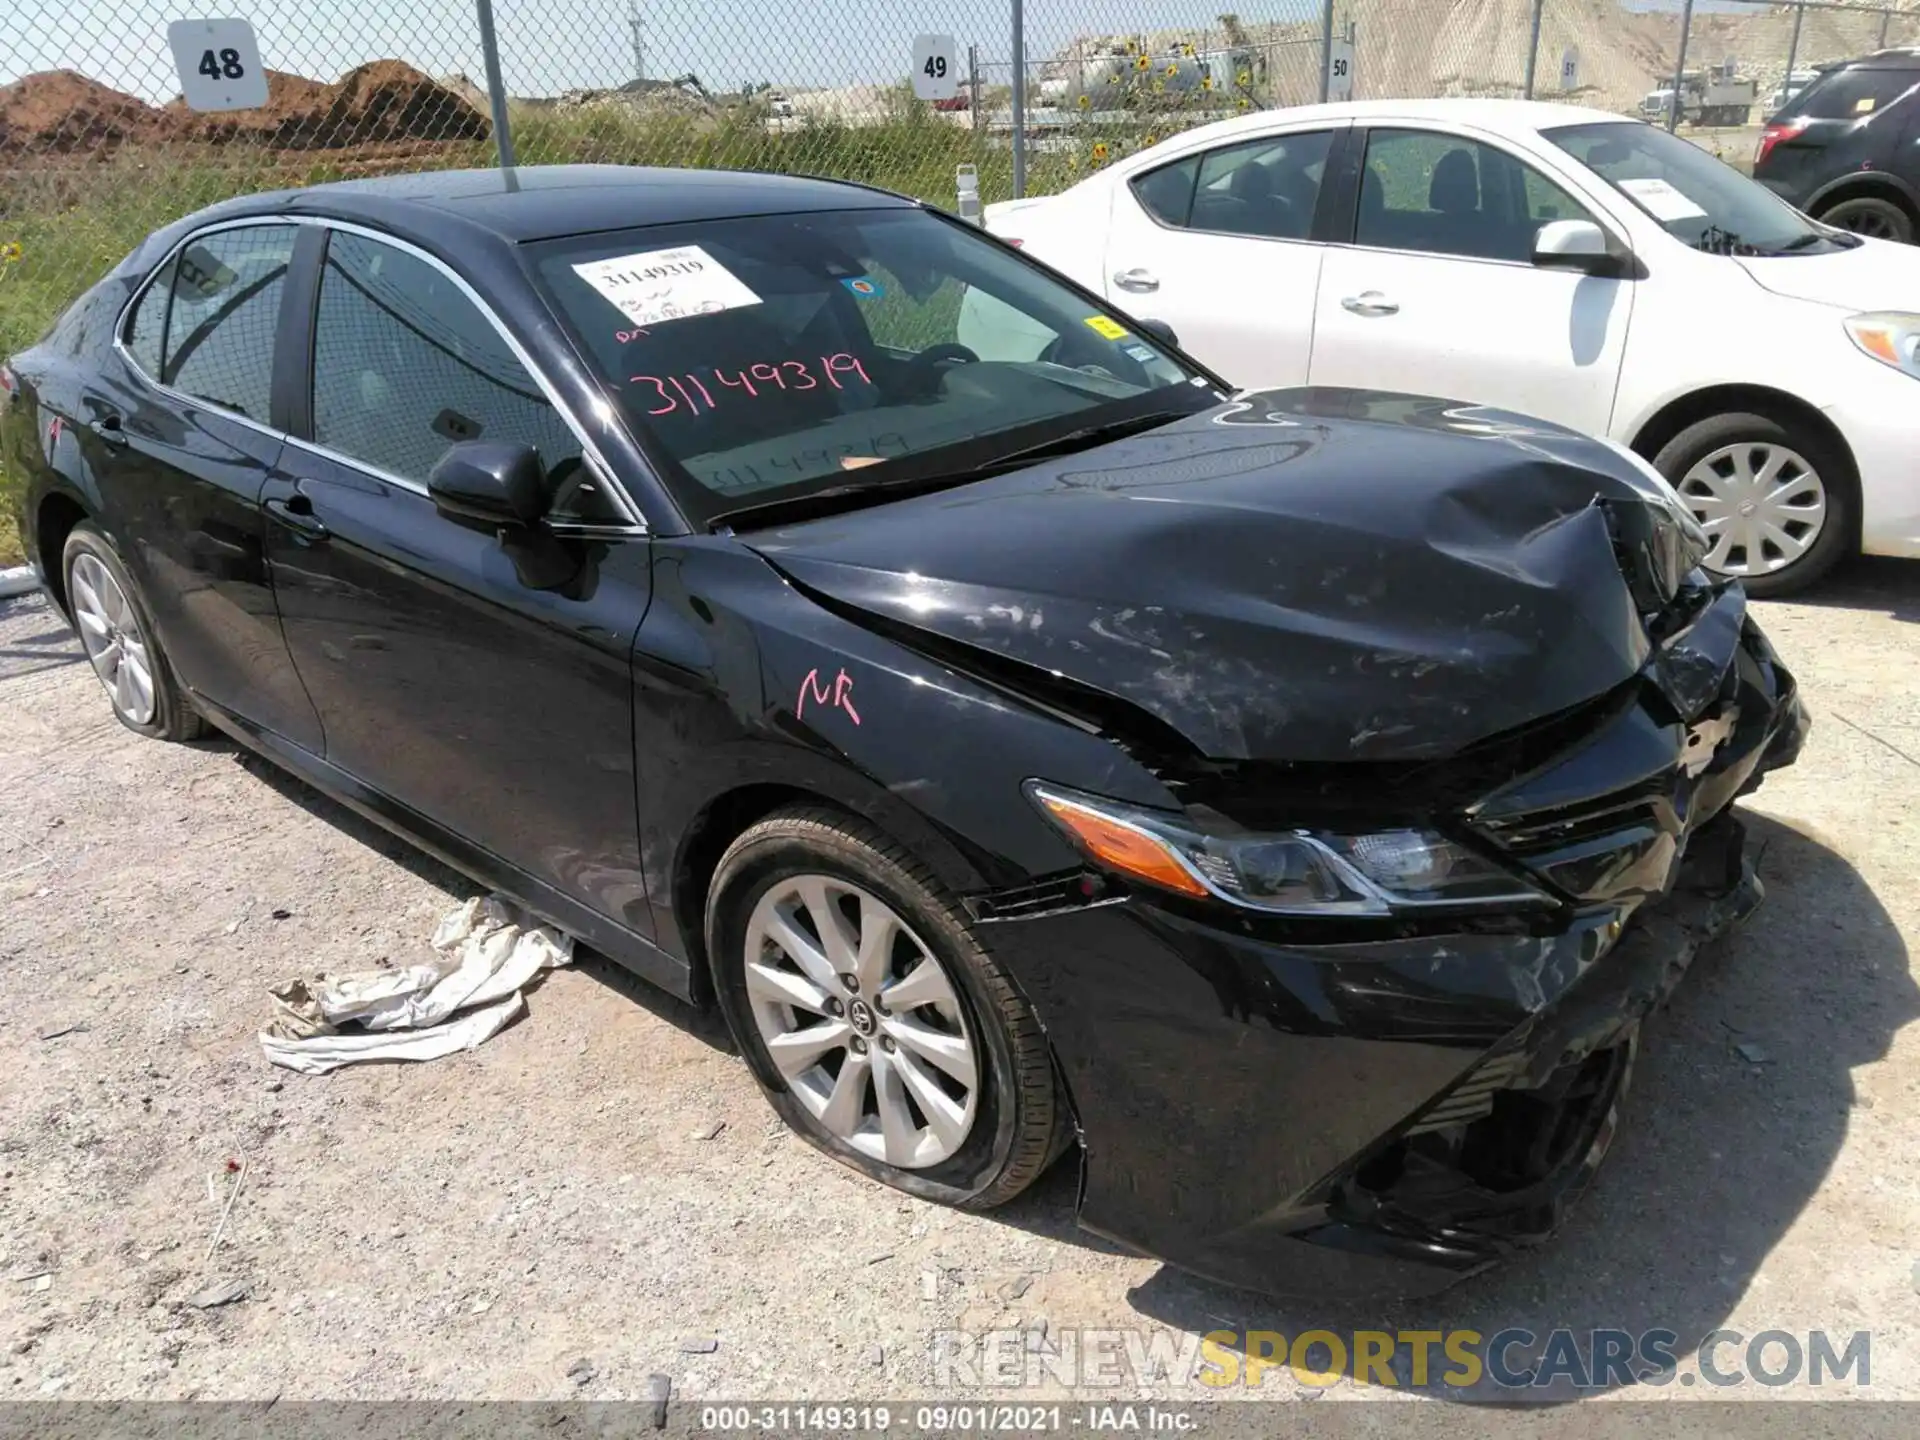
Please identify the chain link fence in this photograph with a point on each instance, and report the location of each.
(96, 148)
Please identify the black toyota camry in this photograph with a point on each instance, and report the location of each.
(1293, 802)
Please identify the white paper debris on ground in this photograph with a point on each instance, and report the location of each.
(488, 952)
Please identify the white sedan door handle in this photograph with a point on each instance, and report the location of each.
(1370, 302)
(1139, 281)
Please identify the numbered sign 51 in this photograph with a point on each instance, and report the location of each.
(1570, 68)
(219, 64)
(1340, 70)
(936, 67)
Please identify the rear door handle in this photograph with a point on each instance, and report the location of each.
(297, 515)
(110, 430)
(1137, 280)
(1370, 302)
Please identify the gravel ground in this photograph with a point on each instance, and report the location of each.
(554, 1215)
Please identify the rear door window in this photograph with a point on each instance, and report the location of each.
(1851, 94)
(225, 312)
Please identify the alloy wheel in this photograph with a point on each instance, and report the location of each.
(114, 641)
(1868, 220)
(862, 1021)
(1762, 505)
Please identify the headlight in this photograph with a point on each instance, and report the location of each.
(1295, 872)
(1890, 336)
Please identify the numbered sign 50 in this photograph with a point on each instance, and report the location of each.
(936, 67)
(219, 64)
(1340, 70)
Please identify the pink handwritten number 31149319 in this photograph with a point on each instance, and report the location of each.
(838, 694)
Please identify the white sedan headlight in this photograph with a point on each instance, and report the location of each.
(1890, 336)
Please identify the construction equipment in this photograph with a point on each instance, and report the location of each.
(1714, 96)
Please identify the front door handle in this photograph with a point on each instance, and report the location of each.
(1137, 280)
(109, 429)
(296, 513)
(1370, 302)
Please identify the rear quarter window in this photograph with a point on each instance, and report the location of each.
(1852, 93)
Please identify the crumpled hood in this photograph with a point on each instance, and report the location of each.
(1875, 275)
(1305, 575)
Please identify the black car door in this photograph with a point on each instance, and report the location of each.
(178, 432)
(496, 706)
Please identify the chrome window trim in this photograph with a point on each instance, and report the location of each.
(635, 523)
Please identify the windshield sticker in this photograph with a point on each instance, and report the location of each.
(1662, 201)
(655, 286)
(1864, 104)
(863, 288)
(690, 391)
(1142, 354)
(808, 464)
(839, 695)
(1105, 328)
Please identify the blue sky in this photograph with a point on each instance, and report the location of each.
(552, 45)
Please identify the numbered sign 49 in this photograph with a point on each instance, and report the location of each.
(936, 67)
(1340, 70)
(219, 64)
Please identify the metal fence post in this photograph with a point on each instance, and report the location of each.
(1793, 45)
(496, 88)
(1885, 16)
(1019, 99)
(1680, 67)
(973, 87)
(1533, 46)
(1326, 52)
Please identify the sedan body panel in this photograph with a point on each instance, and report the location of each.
(444, 681)
(1461, 581)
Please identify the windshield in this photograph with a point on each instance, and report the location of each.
(1698, 200)
(781, 356)
(1852, 93)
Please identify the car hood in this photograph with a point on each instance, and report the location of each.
(1302, 575)
(1874, 275)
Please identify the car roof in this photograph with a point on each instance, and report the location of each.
(1499, 116)
(546, 201)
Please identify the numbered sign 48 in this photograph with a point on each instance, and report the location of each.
(219, 64)
(1340, 70)
(936, 67)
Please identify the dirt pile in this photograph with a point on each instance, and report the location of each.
(377, 104)
(60, 111)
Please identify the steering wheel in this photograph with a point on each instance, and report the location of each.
(944, 354)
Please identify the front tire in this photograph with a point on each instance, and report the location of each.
(1780, 502)
(880, 1028)
(117, 632)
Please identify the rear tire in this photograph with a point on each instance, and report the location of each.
(1780, 501)
(1872, 216)
(992, 1138)
(118, 634)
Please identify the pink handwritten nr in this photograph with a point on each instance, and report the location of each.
(839, 694)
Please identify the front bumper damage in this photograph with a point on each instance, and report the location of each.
(1387, 1116)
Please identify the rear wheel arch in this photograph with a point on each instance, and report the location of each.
(1868, 184)
(54, 519)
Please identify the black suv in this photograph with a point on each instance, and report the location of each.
(1846, 149)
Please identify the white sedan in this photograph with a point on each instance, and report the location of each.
(1556, 261)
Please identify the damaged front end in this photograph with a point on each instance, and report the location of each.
(1390, 1104)
(1446, 725)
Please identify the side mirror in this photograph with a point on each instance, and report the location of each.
(1575, 245)
(1161, 331)
(490, 485)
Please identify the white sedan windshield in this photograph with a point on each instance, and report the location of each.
(1698, 200)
